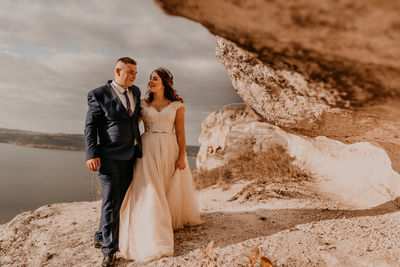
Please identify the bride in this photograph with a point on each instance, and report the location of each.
(161, 197)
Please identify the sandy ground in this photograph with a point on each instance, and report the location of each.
(310, 231)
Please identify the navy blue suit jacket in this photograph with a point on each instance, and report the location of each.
(109, 130)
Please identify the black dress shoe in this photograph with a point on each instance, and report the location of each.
(98, 244)
(109, 260)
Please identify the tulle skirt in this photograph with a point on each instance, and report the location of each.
(159, 200)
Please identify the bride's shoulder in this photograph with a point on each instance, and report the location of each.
(178, 104)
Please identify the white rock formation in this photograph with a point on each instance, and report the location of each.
(359, 174)
(216, 127)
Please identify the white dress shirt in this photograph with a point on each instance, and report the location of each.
(120, 93)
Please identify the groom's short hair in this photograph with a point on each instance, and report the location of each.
(127, 60)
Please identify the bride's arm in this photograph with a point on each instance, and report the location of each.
(180, 136)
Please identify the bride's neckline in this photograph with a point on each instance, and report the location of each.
(159, 111)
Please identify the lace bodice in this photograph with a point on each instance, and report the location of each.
(159, 121)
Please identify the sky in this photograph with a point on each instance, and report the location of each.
(53, 52)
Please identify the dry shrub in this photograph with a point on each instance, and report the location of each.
(274, 166)
(205, 178)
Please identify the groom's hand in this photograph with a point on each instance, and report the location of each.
(93, 164)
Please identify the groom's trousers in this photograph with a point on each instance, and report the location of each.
(115, 177)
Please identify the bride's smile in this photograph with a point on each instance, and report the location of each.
(155, 83)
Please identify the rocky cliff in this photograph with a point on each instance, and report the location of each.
(315, 68)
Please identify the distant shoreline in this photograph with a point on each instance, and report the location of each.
(44, 146)
(59, 141)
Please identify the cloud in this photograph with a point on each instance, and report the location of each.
(54, 52)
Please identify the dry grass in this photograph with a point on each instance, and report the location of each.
(272, 174)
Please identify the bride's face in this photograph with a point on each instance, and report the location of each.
(155, 83)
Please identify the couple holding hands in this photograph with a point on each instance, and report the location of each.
(147, 186)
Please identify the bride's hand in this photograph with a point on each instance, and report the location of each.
(180, 164)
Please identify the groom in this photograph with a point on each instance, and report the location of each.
(112, 145)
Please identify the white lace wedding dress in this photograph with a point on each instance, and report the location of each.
(160, 197)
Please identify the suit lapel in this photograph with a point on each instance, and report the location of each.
(136, 95)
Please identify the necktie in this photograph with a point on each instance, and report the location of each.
(128, 103)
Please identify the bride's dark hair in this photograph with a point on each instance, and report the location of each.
(167, 80)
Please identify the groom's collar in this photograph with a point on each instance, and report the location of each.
(117, 87)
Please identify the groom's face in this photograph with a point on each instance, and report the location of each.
(125, 74)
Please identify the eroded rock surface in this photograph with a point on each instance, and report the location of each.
(316, 68)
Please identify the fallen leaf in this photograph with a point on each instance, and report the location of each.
(265, 262)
